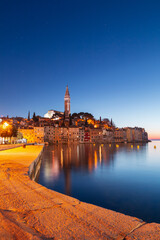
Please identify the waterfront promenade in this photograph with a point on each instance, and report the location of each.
(9, 146)
(31, 211)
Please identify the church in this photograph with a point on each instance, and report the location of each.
(57, 114)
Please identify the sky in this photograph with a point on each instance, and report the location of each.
(108, 52)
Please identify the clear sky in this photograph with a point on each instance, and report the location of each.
(108, 52)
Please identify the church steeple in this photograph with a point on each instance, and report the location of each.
(67, 92)
(67, 103)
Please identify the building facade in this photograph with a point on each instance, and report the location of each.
(28, 134)
(33, 135)
(39, 134)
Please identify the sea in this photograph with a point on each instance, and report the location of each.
(121, 177)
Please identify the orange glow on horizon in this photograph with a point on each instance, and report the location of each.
(154, 136)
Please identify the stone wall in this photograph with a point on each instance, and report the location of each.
(35, 166)
(9, 146)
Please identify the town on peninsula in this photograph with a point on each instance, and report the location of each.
(63, 127)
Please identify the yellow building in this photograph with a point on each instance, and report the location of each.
(27, 134)
(33, 135)
(39, 134)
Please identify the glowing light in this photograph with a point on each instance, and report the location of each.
(137, 146)
(78, 151)
(155, 147)
(95, 159)
(61, 157)
(5, 125)
(90, 121)
(131, 146)
(100, 154)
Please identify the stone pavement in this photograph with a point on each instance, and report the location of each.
(31, 211)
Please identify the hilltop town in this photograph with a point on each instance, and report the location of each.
(63, 127)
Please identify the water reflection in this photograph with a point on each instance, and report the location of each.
(120, 178)
(83, 157)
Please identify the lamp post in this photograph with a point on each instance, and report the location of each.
(5, 130)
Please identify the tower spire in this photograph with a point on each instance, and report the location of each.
(67, 103)
(67, 92)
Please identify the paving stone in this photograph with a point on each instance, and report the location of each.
(146, 232)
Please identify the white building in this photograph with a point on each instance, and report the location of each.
(52, 113)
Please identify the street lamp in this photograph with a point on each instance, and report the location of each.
(5, 125)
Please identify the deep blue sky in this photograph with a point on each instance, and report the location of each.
(108, 52)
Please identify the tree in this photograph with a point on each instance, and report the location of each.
(19, 135)
(14, 131)
(87, 115)
(35, 118)
(70, 120)
(7, 130)
(29, 116)
(75, 115)
(86, 123)
(112, 123)
(80, 114)
(34, 115)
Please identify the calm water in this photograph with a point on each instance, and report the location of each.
(123, 179)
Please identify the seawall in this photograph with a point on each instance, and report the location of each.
(35, 166)
(31, 211)
(9, 146)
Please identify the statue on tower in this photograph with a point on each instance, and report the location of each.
(67, 104)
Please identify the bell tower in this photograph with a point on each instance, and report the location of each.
(67, 103)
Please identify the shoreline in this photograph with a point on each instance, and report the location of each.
(92, 143)
(30, 211)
